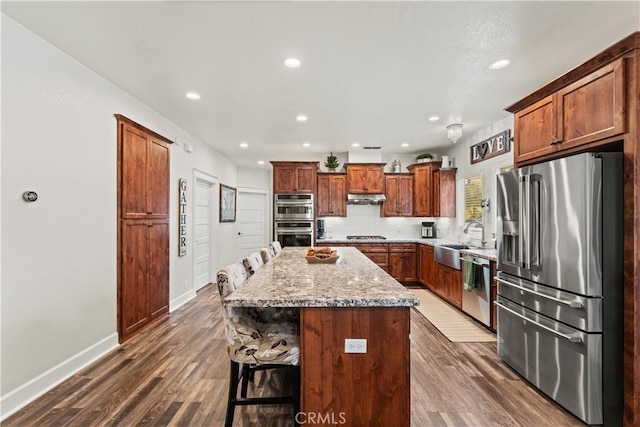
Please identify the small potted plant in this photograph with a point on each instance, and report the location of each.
(423, 158)
(332, 162)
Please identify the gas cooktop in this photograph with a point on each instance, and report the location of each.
(366, 237)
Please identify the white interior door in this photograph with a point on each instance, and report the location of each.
(252, 221)
(202, 230)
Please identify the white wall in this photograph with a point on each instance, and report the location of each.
(460, 155)
(58, 307)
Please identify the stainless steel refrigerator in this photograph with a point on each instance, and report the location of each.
(560, 281)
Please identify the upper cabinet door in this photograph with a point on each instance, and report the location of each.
(157, 179)
(294, 177)
(365, 178)
(331, 195)
(592, 108)
(306, 179)
(284, 179)
(577, 117)
(144, 175)
(399, 194)
(422, 190)
(535, 130)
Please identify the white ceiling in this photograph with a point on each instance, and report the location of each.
(372, 72)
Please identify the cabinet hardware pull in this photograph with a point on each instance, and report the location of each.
(555, 141)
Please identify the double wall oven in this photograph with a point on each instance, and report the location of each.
(293, 216)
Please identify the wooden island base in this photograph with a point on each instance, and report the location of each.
(354, 389)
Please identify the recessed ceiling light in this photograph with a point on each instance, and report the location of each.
(404, 144)
(292, 62)
(355, 144)
(434, 118)
(499, 64)
(192, 95)
(306, 144)
(261, 162)
(301, 118)
(243, 145)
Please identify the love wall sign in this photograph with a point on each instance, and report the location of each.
(491, 147)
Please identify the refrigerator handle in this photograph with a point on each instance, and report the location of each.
(570, 303)
(525, 221)
(573, 338)
(534, 220)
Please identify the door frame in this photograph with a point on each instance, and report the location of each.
(199, 175)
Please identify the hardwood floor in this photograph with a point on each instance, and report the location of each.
(175, 374)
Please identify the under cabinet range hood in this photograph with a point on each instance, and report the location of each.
(365, 199)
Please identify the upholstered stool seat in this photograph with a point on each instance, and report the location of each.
(266, 254)
(257, 339)
(252, 263)
(277, 247)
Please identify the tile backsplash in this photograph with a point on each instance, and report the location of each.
(366, 220)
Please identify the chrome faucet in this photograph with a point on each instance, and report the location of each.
(477, 223)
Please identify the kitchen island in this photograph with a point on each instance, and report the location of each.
(351, 299)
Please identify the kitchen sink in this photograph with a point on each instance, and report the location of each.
(449, 254)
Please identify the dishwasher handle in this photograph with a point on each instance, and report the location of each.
(479, 264)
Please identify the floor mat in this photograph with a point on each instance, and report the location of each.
(453, 324)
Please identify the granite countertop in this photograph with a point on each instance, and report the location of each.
(486, 253)
(353, 281)
(432, 242)
(490, 254)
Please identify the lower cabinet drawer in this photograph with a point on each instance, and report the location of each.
(378, 258)
(402, 247)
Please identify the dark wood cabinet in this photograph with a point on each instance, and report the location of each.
(332, 198)
(399, 194)
(145, 273)
(535, 130)
(444, 193)
(423, 187)
(376, 252)
(403, 262)
(426, 266)
(294, 177)
(143, 232)
(144, 178)
(584, 112)
(448, 284)
(365, 178)
(434, 190)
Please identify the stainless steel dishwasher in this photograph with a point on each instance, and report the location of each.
(476, 302)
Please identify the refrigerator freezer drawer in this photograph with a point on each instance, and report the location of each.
(563, 362)
(584, 313)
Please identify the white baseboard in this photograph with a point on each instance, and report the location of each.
(178, 302)
(31, 390)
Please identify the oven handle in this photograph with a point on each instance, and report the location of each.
(571, 303)
(294, 203)
(572, 338)
(297, 231)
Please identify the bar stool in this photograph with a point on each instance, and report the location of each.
(277, 247)
(266, 255)
(252, 263)
(257, 339)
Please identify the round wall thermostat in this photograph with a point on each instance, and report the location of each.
(30, 196)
